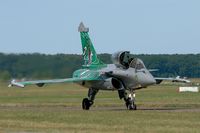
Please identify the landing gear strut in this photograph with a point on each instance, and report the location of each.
(87, 102)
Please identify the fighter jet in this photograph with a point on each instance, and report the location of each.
(126, 75)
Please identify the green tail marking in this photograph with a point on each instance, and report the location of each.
(89, 53)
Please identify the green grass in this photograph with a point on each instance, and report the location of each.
(57, 108)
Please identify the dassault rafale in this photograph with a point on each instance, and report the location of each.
(126, 75)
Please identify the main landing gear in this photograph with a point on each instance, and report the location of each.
(87, 102)
(128, 98)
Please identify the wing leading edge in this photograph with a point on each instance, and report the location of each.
(177, 79)
(40, 83)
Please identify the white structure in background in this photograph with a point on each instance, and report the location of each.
(188, 89)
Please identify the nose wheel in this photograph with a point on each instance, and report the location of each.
(130, 105)
(130, 101)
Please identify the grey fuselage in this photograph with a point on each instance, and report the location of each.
(115, 77)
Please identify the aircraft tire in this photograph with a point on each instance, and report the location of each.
(85, 104)
(132, 107)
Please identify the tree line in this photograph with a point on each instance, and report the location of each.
(42, 66)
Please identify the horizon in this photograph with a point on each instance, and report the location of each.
(97, 53)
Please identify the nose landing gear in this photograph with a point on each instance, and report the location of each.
(129, 99)
(130, 102)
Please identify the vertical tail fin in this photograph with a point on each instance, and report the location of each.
(89, 53)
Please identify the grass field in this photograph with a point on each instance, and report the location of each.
(57, 108)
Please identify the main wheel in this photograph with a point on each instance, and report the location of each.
(86, 104)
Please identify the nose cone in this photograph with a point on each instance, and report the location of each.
(150, 81)
(147, 80)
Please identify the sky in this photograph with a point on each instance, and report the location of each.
(138, 26)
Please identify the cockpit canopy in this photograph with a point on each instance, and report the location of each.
(125, 59)
(137, 64)
(122, 58)
(117, 58)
